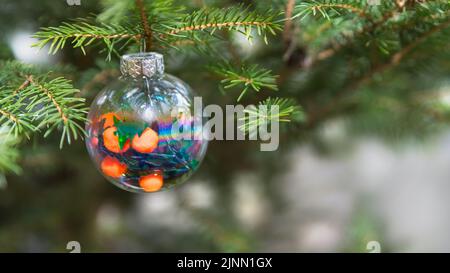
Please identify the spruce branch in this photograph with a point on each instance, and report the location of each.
(287, 110)
(55, 104)
(287, 30)
(51, 97)
(13, 118)
(327, 9)
(169, 26)
(371, 27)
(406, 50)
(32, 99)
(236, 18)
(83, 34)
(395, 60)
(245, 77)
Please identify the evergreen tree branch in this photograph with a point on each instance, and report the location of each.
(287, 111)
(16, 124)
(9, 116)
(406, 50)
(12, 116)
(313, 7)
(236, 18)
(168, 30)
(51, 97)
(245, 77)
(290, 44)
(32, 100)
(395, 60)
(84, 34)
(55, 104)
(217, 25)
(287, 31)
(369, 28)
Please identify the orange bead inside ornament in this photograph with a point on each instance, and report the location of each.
(109, 119)
(113, 167)
(147, 142)
(152, 182)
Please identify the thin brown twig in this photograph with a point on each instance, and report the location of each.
(290, 44)
(27, 82)
(217, 25)
(287, 32)
(398, 56)
(9, 116)
(100, 36)
(327, 53)
(330, 52)
(145, 25)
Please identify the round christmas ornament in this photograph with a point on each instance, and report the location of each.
(142, 134)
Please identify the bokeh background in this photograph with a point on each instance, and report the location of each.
(330, 189)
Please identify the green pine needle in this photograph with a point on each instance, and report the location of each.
(236, 18)
(245, 77)
(33, 101)
(288, 110)
(82, 34)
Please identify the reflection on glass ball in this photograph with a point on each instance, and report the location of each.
(142, 133)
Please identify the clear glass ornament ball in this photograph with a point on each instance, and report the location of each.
(142, 133)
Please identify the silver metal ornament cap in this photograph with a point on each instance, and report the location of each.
(142, 65)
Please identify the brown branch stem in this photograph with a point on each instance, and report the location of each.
(99, 36)
(287, 32)
(145, 25)
(52, 99)
(327, 53)
(217, 25)
(9, 116)
(27, 82)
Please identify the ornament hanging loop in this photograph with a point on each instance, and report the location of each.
(143, 45)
